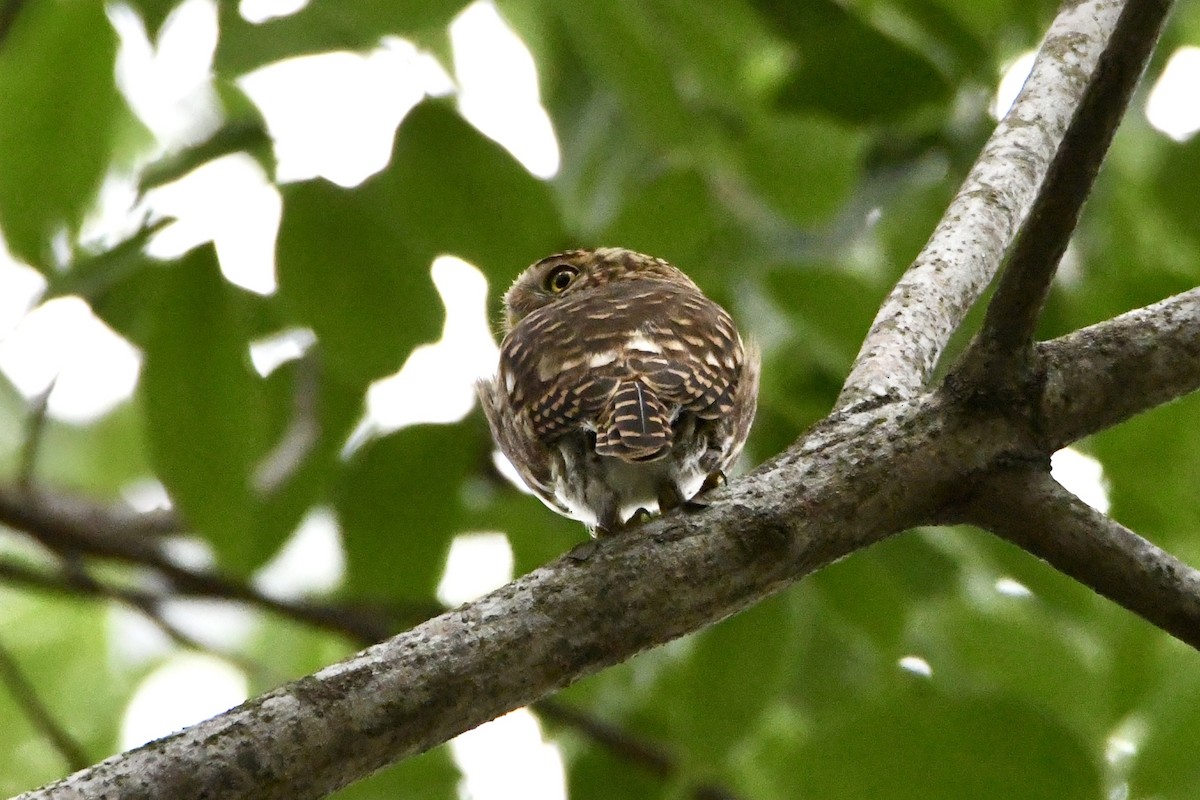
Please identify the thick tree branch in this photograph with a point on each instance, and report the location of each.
(929, 303)
(1004, 343)
(1097, 377)
(851, 481)
(849, 484)
(1031, 510)
(78, 582)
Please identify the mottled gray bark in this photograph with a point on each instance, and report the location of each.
(1034, 512)
(1101, 375)
(850, 482)
(966, 249)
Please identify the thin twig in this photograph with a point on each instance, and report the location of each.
(24, 693)
(35, 429)
(72, 526)
(627, 746)
(1031, 510)
(73, 580)
(1004, 343)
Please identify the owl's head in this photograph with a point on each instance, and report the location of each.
(578, 271)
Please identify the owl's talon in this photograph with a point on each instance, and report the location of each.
(714, 480)
(640, 517)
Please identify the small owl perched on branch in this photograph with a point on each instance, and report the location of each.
(621, 386)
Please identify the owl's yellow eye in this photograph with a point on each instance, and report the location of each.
(559, 278)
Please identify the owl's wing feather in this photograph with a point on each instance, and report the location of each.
(623, 362)
(531, 458)
(635, 425)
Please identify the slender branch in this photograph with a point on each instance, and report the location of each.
(9, 11)
(24, 693)
(1031, 510)
(1099, 376)
(631, 748)
(929, 303)
(75, 582)
(69, 525)
(849, 484)
(1004, 343)
(35, 429)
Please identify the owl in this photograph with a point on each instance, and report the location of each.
(621, 387)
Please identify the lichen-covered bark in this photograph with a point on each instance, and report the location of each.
(1033, 512)
(849, 482)
(1101, 375)
(965, 251)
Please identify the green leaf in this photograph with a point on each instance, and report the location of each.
(670, 217)
(459, 192)
(59, 110)
(927, 744)
(617, 42)
(399, 506)
(596, 774)
(825, 333)
(207, 414)
(99, 459)
(805, 165)
(711, 701)
(1165, 765)
(348, 270)
(848, 68)
(154, 13)
(321, 26)
(1007, 646)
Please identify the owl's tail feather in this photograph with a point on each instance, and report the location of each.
(635, 425)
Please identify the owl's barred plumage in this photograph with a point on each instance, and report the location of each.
(620, 385)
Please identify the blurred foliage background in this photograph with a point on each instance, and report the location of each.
(792, 157)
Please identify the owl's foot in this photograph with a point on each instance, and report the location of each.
(669, 497)
(714, 480)
(640, 517)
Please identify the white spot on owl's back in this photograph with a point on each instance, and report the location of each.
(548, 367)
(602, 358)
(639, 342)
(711, 359)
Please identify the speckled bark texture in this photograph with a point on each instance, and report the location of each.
(851, 481)
(965, 251)
(899, 452)
(1035, 513)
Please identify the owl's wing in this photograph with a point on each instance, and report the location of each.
(531, 458)
(622, 363)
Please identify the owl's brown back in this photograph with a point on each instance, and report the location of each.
(623, 361)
